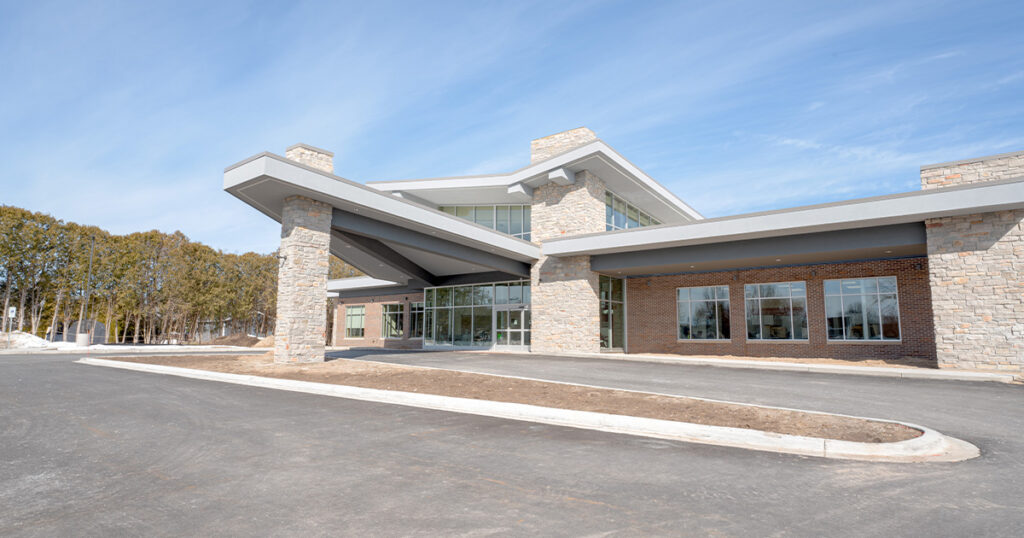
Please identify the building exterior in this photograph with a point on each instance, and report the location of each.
(582, 252)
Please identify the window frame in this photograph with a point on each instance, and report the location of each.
(524, 212)
(385, 311)
(350, 315)
(844, 340)
(414, 313)
(612, 201)
(727, 301)
(760, 316)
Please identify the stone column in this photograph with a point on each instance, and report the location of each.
(976, 272)
(565, 304)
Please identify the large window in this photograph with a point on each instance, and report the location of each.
(862, 309)
(391, 325)
(464, 316)
(703, 313)
(612, 293)
(355, 317)
(619, 215)
(513, 220)
(415, 320)
(776, 311)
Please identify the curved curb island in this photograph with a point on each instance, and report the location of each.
(931, 446)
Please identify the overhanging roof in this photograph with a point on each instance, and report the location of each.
(621, 176)
(387, 238)
(853, 214)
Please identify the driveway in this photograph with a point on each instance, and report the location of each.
(90, 451)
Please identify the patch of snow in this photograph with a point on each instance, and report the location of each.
(22, 340)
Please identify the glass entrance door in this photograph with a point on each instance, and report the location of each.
(613, 313)
(512, 327)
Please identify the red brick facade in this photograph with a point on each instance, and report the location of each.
(374, 321)
(651, 312)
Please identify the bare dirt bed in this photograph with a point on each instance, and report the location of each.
(547, 394)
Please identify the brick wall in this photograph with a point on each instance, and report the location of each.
(977, 263)
(374, 321)
(652, 325)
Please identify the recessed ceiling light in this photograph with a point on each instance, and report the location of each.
(778, 259)
(888, 252)
(692, 266)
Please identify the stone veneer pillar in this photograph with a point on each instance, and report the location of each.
(300, 334)
(976, 272)
(564, 301)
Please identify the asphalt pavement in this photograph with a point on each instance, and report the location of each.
(91, 451)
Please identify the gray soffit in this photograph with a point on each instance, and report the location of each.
(854, 214)
(378, 232)
(622, 176)
(894, 241)
(265, 180)
(369, 287)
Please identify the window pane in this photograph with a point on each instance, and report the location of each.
(619, 215)
(723, 320)
(798, 289)
(750, 290)
(482, 326)
(483, 295)
(464, 212)
(753, 319)
(463, 296)
(702, 294)
(873, 326)
(515, 215)
(702, 320)
(526, 293)
(443, 296)
(618, 325)
(485, 216)
(890, 317)
(774, 290)
(501, 223)
(527, 212)
(887, 284)
(722, 292)
(834, 316)
(683, 311)
(800, 318)
(604, 288)
(448, 209)
(443, 326)
(776, 319)
(515, 293)
(462, 326)
(832, 287)
(852, 286)
(515, 338)
(644, 220)
(526, 319)
(853, 317)
(617, 292)
(683, 294)
(632, 217)
(428, 326)
(501, 294)
(608, 220)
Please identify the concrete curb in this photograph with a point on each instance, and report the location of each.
(931, 446)
(877, 371)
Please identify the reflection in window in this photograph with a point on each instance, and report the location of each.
(862, 309)
(619, 214)
(703, 313)
(354, 321)
(776, 311)
(508, 219)
(415, 320)
(391, 326)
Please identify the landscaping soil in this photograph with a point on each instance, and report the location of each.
(404, 378)
(243, 340)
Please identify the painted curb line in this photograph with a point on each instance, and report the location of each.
(877, 371)
(931, 446)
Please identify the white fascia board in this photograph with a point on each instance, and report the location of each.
(537, 174)
(868, 212)
(359, 283)
(275, 174)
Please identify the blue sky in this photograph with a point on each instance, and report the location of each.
(124, 115)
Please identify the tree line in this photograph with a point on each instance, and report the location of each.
(143, 287)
